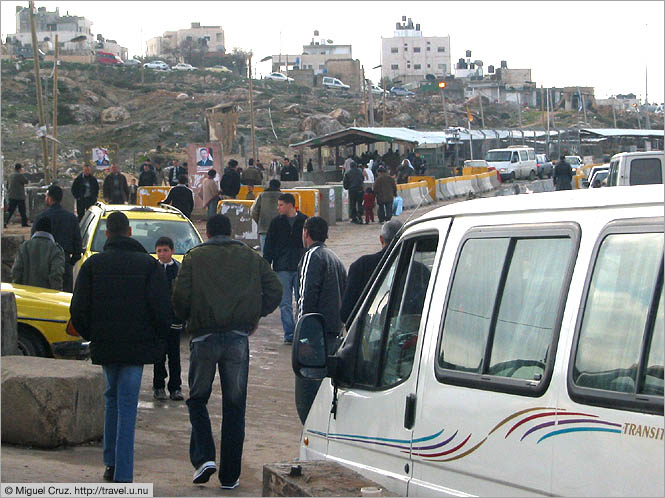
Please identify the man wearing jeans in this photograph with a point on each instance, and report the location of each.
(283, 249)
(121, 304)
(222, 290)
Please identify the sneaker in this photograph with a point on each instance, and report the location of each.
(204, 472)
(231, 486)
(108, 473)
(176, 395)
(288, 340)
(160, 394)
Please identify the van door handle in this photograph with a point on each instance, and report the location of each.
(410, 411)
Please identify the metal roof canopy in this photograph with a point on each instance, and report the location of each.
(621, 132)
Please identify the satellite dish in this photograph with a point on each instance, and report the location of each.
(329, 41)
(430, 77)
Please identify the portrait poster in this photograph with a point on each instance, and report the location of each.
(201, 159)
(100, 158)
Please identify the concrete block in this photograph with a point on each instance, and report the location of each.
(48, 403)
(9, 331)
(9, 245)
(319, 478)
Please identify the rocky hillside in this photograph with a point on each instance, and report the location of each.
(134, 111)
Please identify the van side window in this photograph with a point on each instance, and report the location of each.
(523, 155)
(613, 175)
(618, 359)
(391, 322)
(504, 311)
(532, 155)
(646, 171)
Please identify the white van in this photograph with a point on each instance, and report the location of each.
(510, 346)
(333, 84)
(636, 168)
(513, 162)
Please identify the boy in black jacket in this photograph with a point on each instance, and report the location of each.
(164, 250)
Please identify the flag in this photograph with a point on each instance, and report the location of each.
(468, 115)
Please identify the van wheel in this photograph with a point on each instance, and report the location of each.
(29, 343)
(532, 175)
(512, 176)
(540, 174)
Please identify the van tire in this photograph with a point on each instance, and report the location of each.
(512, 176)
(30, 342)
(532, 175)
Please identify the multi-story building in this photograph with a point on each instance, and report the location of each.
(409, 56)
(180, 41)
(315, 56)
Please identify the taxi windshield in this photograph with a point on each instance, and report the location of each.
(147, 232)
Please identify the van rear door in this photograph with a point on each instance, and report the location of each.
(645, 170)
(372, 428)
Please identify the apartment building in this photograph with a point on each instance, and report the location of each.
(409, 56)
(314, 56)
(210, 37)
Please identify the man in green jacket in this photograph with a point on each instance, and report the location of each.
(40, 260)
(16, 195)
(222, 290)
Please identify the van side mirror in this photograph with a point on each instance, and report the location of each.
(309, 354)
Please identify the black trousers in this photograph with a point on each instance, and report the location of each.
(20, 204)
(83, 204)
(173, 354)
(356, 204)
(385, 211)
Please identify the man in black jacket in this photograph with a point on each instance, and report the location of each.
(361, 270)
(320, 285)
(176, 172)
(65, 230)
(283, 249)
(85, 190)
(181, 197)
(121, 305)
(230, 182)
(147, 178)
(563, 175)
(353, 182)
(289, 172)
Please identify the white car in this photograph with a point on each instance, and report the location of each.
(279, 77)
(334, 83)
(181, 66)
(161, 65)
(376, 90)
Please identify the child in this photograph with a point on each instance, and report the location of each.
(133, 190)
(164, 250)
(368, 203)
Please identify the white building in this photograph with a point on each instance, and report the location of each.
(409, 56)
(314, 56)
(211, 37)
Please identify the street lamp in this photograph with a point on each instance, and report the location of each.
(442, 85)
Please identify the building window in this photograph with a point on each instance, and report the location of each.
(441, 49)
(416, 66)
(394, 66)
(321, 66)
(441, 66)
(416, 50)
(428, 66)
(429, 48)
(394, 50)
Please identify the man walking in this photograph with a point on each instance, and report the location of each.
(353, 182)
(65, 230)
(385, 190)
(40, 261)
(222, 290)
(265, 209)
(230, 182)
(16, 195)
(147, 178)
(176, 172)
(361, 269)
(210, 193)
(181, 197)
(563, 175)
(319, 289)
(289, 172)
(283, 249)
(115, 187)
(120, 304)
(85, 190)
(252, 175)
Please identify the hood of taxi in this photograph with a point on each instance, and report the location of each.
(39, 294)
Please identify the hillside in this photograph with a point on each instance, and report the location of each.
(134, 112)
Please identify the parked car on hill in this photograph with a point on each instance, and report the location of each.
(181, 66)
(399, 91)
(108, 59)
(334, 84)
(159, 65)
(132, 63)
(545, 166)
(278, 77)
(376, 90)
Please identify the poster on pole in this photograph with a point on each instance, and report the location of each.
(201, 159)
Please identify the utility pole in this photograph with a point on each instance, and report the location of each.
(583, 106)
(370, 96)
(363, 88)
(38, 84)
(442, 85)
(251, 110)
(519, 110)
(482, 115)
(383, 114)
(547, 140)
(55, 107)
(614, 113)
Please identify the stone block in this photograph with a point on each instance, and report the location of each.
(9, 245)
(9, 331)
(48, 403)
(318, 478)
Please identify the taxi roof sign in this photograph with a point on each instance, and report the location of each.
(442, 84)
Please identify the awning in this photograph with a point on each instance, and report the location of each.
(622, 132)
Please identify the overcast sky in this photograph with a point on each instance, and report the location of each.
(608, 45)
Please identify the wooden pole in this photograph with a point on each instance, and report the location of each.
(55, 107)
(445, 111)
(363, 88)
(251, 110)
(482, 115)
(38, 84)
(384, 105)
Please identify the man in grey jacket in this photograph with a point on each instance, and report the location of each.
(264, 209)
(40, 261)
(16, 195)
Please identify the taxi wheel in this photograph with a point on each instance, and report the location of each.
(29, 343)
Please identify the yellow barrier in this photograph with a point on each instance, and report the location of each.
(309, 200)
(431, 184)
(243, 227)
(151, 196)
(473, 170)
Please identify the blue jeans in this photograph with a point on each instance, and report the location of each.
(228, 352)
(212, 209)
(123, 383)
(288, 280)
(262, 240)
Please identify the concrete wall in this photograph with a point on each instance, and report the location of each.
(9, 331)
(347, 70)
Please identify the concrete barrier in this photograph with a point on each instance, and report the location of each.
(341, 201)
(47, 403)
(431, 184)
(35, 200)
(9, 331)
(327, 202)
(243, 227)
(152, 196)
(309, 200)
(8, 250)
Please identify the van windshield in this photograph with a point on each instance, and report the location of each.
(498, 155)
(148, 231)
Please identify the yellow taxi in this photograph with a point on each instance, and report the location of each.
(44, 328)
(147, 223)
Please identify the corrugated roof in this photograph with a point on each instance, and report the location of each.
(623, 132)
